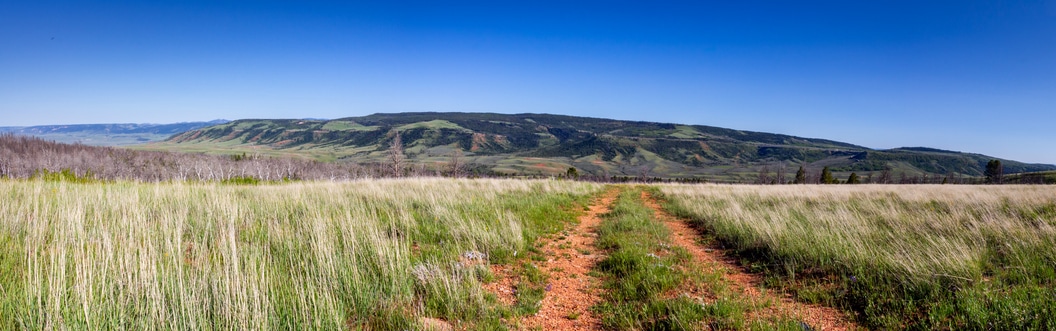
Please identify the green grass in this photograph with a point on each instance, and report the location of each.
(647, 280)
(686, 132)
(347, 126)
(641, 267)
(433, 125)
(312, 152)
(331, 256)
(64, 175)
(531, 289)
(900, 257)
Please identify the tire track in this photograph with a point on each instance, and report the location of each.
(817, 317)
(571, 291)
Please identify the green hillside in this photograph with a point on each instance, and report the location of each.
(543, 144)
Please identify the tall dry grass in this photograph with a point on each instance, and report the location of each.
(944, 251)
(163, 256)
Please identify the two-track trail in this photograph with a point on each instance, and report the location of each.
(817, 317)
(571, 291)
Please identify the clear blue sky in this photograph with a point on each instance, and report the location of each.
(976, 76)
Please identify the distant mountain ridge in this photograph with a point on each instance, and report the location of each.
(108, 134)
(548, 144)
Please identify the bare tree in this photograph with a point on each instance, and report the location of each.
(22, 157)
(779, 177)
(764, 176)
(885, 176)
(643, 173)
(418, 169)
(813, 177)
(396, 159)
(457, 166)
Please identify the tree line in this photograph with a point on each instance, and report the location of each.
(993, 174)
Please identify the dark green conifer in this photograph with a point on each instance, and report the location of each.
(853, 179)
(826, 176)
(994, 172)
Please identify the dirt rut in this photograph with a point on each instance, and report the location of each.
(571, 292)
(816, 316)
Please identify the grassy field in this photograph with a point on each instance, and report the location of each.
(379, 255)
(400, 254)
(900, 257)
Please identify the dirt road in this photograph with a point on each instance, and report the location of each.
(816, 316)
(571, 291)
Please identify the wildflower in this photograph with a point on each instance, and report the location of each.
(474, 255)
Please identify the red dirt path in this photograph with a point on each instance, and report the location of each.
(571, 291)
(816, 316)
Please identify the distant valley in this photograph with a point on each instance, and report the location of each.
(108, 134)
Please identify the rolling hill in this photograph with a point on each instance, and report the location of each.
(544, 144)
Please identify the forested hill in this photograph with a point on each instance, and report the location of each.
(549, 144)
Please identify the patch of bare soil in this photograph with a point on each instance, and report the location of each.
(571, 292)
(434, 324)
(504, 284)
(818, 317)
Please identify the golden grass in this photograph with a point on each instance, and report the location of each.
(319, 255)
(920, 256)
(920, 231)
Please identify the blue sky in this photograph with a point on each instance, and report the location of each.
(977, 76)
